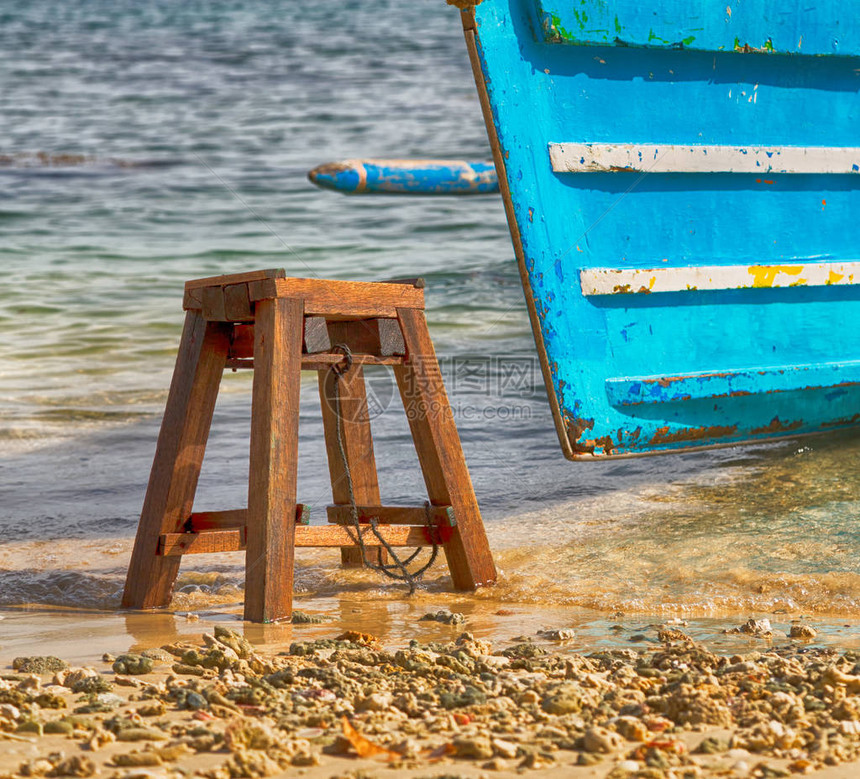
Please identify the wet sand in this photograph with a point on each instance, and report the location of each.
(395, 619)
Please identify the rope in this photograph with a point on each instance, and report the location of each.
(397, 570)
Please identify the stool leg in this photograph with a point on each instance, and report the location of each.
(271, 519)
(178, 458)
(441, 455)
(358, 445)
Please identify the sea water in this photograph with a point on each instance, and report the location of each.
(146, 143)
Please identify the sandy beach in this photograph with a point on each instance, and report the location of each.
(339, 703)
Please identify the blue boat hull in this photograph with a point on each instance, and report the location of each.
(683, 213)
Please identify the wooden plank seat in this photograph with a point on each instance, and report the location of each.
(278, 326)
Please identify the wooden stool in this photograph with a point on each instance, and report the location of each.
(279, 326)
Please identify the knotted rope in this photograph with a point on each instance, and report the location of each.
(398, 569)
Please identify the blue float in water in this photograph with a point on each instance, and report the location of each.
(407, 177)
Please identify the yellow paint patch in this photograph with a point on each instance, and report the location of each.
(765, 275)
(834, 277)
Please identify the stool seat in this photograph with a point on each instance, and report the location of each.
(278, 326)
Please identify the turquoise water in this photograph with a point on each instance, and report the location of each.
(147, 143)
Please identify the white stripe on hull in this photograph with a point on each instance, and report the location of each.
(655, 158)
(624, 281)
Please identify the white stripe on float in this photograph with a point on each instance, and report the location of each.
(654, 158)
(622, 281)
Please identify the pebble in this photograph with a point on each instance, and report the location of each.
(9, 712)
(108, 699)
(567, 700)
(672, 634)
(156, 655)
(76, 765)
(60, 727)
(802, 631)
(237, 642)
(632, 728)
(529, 696)
(599, 739)
(39, 664)
(506, 749)
(496, 764)
(91, 685)
(133, 665)
(100, 738)
(38, 767)
(30, 726)
(68, 677)
(564, 634)
(377, 701)
(194, 701)
(141, 734)
(474, 748)
(302, 618)
(137, 760)
(712, 746)
(754, 627)
(737, 754)
(523, 651)
(445, 617)
(127, 681)
(535, 760)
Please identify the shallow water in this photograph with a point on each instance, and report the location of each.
(149, 144)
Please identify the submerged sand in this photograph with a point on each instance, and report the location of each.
(341, 704)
